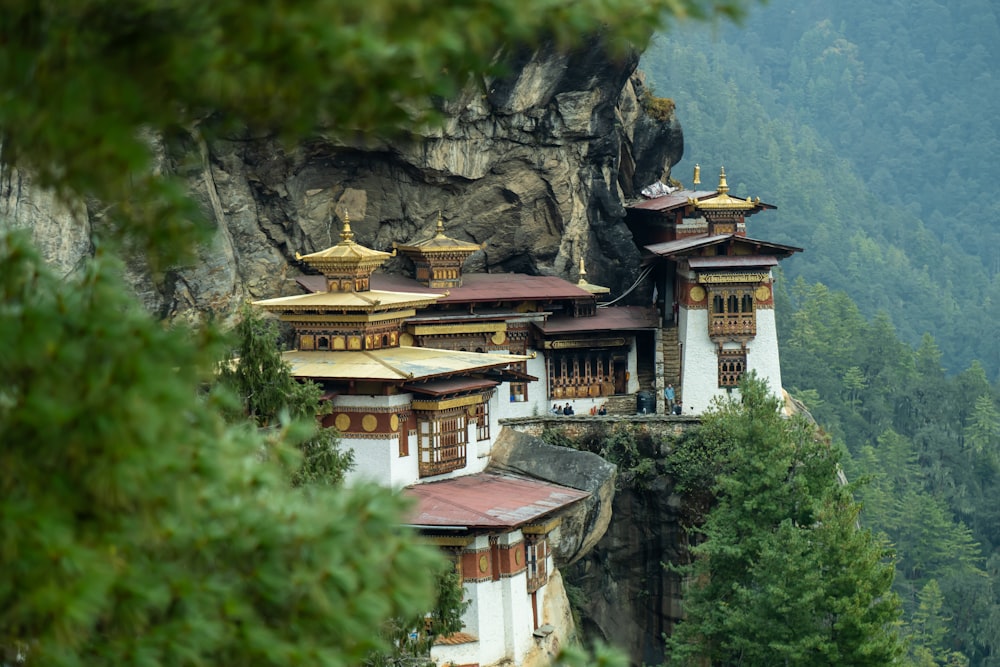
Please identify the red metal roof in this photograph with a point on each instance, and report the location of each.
(680, 198)
(732, 261)
(673, 200)
(476, 287)
(681, 246)
(612, 318)
(455, 638)
(486, 500)
(491, 287)
(677, 246)
(449, 386)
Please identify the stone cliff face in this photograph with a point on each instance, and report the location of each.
(623, 592)
(631, 600)
(535, 164)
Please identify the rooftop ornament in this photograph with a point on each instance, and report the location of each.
(347, 265)
(583, 284)
(722, 201)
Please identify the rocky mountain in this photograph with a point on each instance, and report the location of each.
(535, 164)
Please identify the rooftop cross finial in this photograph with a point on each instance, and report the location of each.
(346, 235)
(723, 185)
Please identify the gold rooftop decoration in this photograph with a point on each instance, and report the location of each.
(439, 259)
(584, 285)
(723, 201)
(347, 265)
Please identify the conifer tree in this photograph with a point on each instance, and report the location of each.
(270, 396)
(139, 528)
(783, 574)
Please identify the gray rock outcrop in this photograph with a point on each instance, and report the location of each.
(632, 599)
(584, 524)
(536, 164)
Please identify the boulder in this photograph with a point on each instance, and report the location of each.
(583, 524)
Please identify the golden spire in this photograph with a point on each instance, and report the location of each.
(439, 231)
(584, 285)
(697, 174)
(721, 201)
(723, 185)
(346, 235)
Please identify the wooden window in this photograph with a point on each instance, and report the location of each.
(580, 374)
(732, 364)
(732, 313)
(495, 556)
(481, 416)
(536, 552)
(518, 390)
(404, 436)
(442, 438)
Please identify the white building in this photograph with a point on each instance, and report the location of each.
(716, 290)
(424, 419)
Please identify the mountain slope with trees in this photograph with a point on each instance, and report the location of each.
(864, 124)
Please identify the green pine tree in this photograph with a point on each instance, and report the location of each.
(783, 574)
(139, 528)
(287, 409)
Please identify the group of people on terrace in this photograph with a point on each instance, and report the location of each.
(568, 409)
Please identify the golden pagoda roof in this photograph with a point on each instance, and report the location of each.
(368, 301)
(722, 201)
(392, 363)
(347, 256)
(439, 243)
(584, 285)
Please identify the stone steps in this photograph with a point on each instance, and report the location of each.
(671, 359)
(620, 405)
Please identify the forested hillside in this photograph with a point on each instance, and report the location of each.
(868, 126)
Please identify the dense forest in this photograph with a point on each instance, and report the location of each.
(864, 124)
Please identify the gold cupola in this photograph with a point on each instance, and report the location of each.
(438, 260)
(347, 265)
(723, 212)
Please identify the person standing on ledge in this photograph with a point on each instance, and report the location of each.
(668, 394)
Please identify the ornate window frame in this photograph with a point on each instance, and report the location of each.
(732, 312)
(442, 441)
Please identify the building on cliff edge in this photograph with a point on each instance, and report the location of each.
(420, 370)
(424, 419)
(714, 287)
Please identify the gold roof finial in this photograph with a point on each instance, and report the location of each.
(583, 284)
(440, 225)
(723, 185)
(697, 174)
(346, 235)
